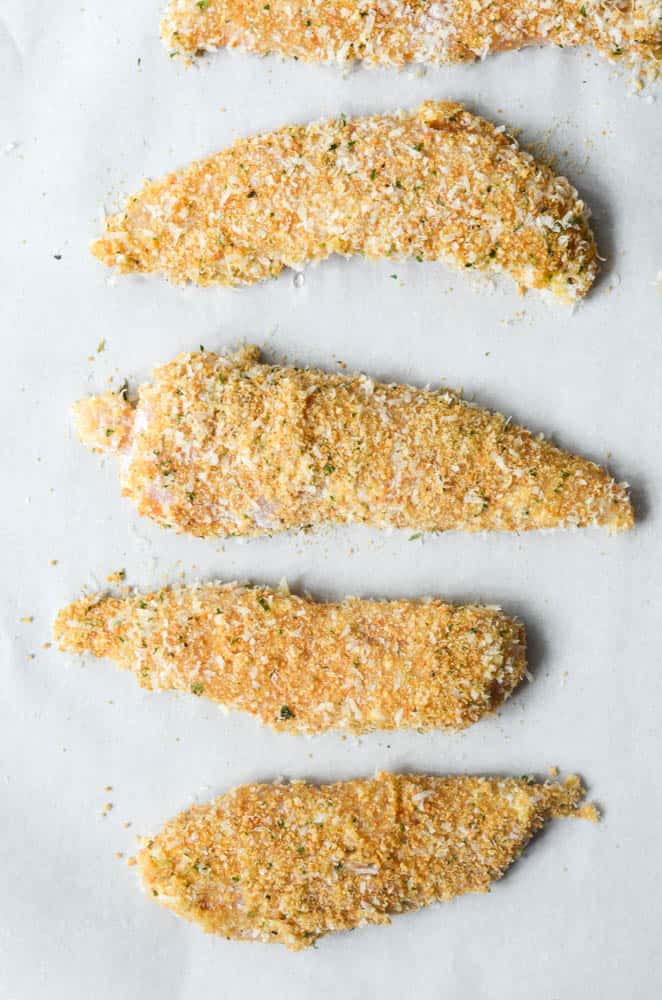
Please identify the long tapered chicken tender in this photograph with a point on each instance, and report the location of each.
(305, 667)
(436, 183)
(398, 32)
(290, 863)
(224, 445)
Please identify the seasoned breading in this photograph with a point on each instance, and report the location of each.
(437, 183)
(398, 32)
(304, 667)
(227, 446)
(290, 863)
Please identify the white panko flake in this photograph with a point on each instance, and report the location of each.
(359, 869)
(420, 797)
(260, 864)
(435, 184)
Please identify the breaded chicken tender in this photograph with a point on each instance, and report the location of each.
(398, 32)
(290, 863)
(435, 184)
(224, 445)
(305, 667)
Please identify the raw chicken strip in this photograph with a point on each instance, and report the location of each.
(290, 863)
(436, 183)
(227, 446)
(305, 667)
(398, 32)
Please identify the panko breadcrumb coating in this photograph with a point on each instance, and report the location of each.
(436, 183)
(304, 667)
(224, 445)
(290, 863)
(398, 32)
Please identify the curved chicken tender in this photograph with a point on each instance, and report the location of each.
(305, 667)
(437, 183)
(397, 32)
(290, 863)
(228, 446)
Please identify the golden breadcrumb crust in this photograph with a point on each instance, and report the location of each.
(304, 667)
(290, 863)
(398, 32)
(227, 446)
(436, 183)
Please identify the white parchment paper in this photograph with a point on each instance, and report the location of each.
(90, 104)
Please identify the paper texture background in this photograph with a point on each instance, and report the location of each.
(90, 104)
